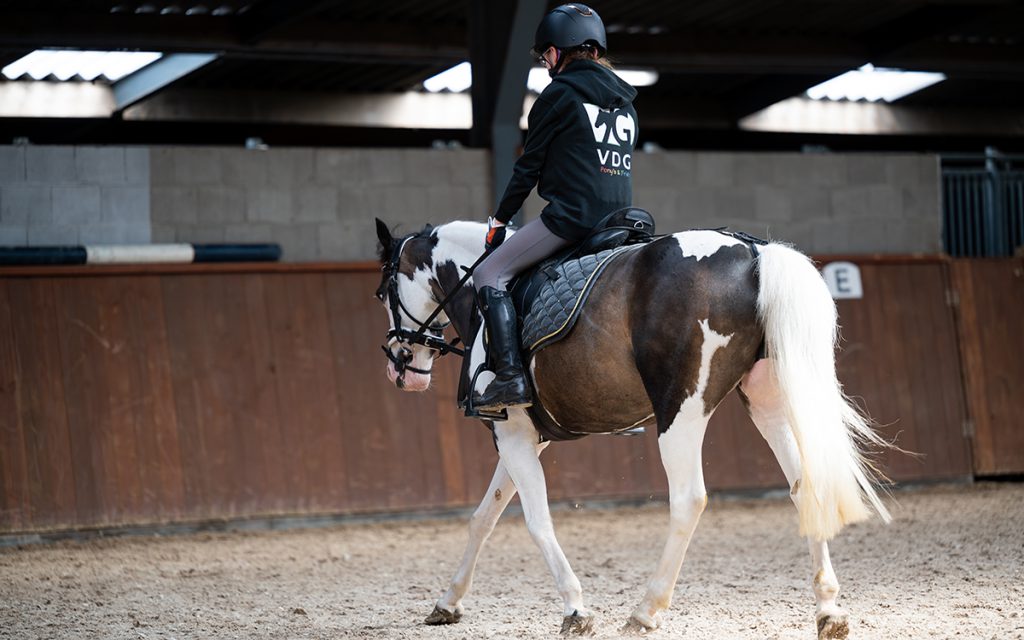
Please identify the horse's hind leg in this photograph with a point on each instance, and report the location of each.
(517, 445)
(448, 609)
(680, 448)
(764, 402)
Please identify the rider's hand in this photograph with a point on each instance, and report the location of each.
(495, 235)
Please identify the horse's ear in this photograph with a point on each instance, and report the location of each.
(387, 242)
(384, 234)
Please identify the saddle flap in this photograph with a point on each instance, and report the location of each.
(559, 301)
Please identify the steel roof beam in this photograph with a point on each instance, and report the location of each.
(405, 43)
(157, 76)
(273, 15)
(500, 106)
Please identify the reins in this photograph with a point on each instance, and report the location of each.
(437, 342)
(419, 335)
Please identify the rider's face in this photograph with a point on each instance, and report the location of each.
(549, 58)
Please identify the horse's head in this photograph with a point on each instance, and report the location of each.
(408, 291)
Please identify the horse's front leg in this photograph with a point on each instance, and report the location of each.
(448, 609)
(518, 446)
(680, 448)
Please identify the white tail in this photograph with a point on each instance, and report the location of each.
(799, 320)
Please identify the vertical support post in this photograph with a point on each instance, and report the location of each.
(997, 242)
(501, 34)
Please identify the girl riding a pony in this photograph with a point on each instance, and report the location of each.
(582, 130)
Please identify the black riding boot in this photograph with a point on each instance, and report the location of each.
(509, 387)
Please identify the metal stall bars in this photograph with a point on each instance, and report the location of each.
(983, 204)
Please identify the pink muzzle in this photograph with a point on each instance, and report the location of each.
(409, 381)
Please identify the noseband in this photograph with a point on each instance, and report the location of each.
(426, 334)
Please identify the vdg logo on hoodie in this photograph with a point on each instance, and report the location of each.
(615, 134)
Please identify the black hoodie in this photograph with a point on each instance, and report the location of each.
(578, 151)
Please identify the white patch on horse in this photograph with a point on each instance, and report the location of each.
(693, 406)
(456, 243)
(703, 243)
(423, 297)
(459, 242)
(415, 295)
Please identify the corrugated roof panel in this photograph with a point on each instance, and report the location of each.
(148, 7)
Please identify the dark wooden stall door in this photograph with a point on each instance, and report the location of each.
(991, 323)
(898, 360)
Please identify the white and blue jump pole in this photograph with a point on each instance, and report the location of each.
(139, 254)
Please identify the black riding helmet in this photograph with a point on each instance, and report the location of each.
(569, 26)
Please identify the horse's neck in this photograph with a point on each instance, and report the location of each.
(459, 243)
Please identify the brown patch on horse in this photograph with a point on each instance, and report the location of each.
(720, 288)
(636, 349)
(460, 309)
(597, 356)
(733, 313)
(418, 253)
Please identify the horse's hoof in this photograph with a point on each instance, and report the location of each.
(440, 616)
(577, 625)
(637, 627)
(633, 628)
(833, 628)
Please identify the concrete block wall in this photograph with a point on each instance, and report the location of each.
(319, 204)
(71, 195)
(822, 203)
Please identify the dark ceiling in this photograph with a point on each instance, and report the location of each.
(720, 58)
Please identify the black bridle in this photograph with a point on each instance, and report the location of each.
(426, 334)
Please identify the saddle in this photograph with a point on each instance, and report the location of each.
(623, 227)
(549, 296)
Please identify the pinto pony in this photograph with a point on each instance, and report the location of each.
(668, 331)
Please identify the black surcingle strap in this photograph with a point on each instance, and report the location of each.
(752, 242)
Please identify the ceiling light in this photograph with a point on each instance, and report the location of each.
(638, 77)
(873, 84)
(87, 65)
(457, 79)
